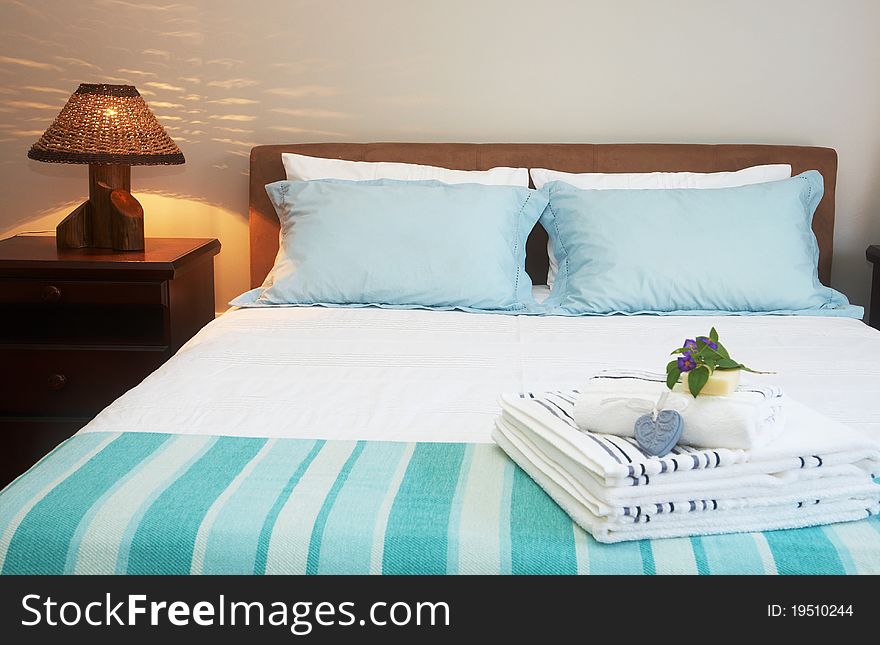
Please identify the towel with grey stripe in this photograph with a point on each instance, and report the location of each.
(817, 471)
(611, 401)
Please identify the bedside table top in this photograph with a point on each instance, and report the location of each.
(162, 257)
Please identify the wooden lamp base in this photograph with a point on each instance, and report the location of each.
(111, 218)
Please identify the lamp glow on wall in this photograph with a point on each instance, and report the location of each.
(110, 128)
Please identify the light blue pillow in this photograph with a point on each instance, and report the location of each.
(743, 250)
(402, 244)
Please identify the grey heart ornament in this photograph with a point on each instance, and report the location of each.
(658, 437)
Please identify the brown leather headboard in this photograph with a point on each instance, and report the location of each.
(578, 157)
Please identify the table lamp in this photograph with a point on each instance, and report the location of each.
(110, 128)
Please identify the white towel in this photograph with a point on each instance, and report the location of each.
(676, 524)
(810, 440)
(751, 417)
(818, 472)
(719, 494)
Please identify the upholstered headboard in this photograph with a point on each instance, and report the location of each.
(579, 157)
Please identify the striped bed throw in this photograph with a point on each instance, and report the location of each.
(140, 503)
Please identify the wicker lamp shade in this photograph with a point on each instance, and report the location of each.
(106, 124)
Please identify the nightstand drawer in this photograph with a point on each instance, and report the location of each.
(81, 292)
(71, 382)
(83, 324)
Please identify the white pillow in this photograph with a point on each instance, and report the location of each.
(601, 180)
(655, 180)
(303, 168)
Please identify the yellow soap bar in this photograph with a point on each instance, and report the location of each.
(720, 383)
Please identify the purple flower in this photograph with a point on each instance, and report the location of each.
(690, 343)
(711, 343)
(686, 362)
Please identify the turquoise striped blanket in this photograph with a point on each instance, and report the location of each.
(141, 503)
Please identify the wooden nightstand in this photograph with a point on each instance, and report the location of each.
(873, 254)
(80, 327)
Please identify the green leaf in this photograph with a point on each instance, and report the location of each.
(672, 376)
(671, 364)
(680, 350)
(713, 334)
(722, 351)
(749, 369)
(697, 379)
(728, 364)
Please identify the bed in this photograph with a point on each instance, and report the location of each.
(341, 440)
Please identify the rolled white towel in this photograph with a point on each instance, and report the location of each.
(750, 418)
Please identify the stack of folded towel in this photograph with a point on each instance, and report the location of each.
(755, 474)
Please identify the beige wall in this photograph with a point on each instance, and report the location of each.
(224, 76)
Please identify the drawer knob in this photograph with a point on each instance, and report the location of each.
(57, 382)
(51, 294)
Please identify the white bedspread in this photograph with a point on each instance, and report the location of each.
(436, 376)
